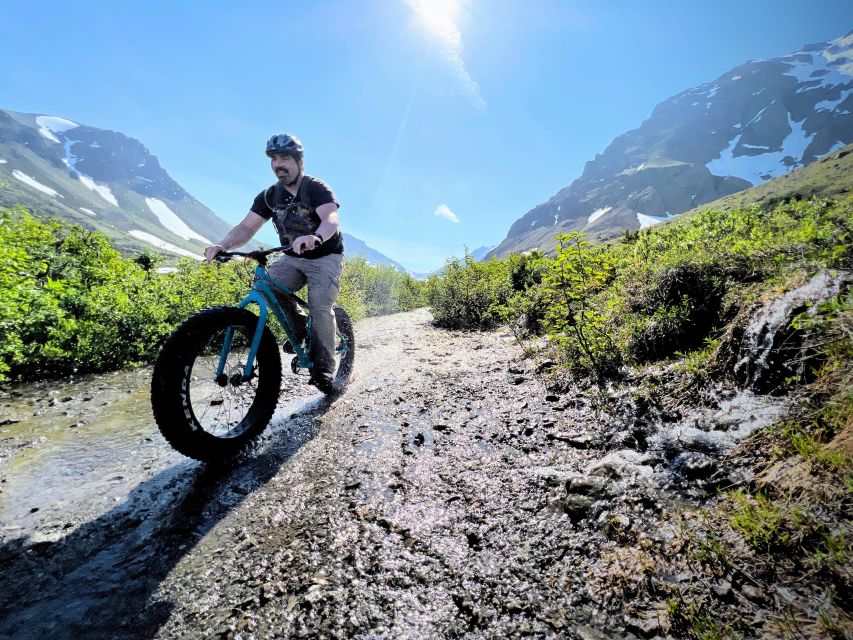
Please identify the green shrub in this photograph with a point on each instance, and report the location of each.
(469, 294)
(70, 303)
(580, 325)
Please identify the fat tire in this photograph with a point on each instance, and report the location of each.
(173, 364)
(345, 366)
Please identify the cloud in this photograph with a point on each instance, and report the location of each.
(438, 16)
(443, 211)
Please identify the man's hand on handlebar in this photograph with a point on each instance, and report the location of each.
(211, 252)
(305, 243)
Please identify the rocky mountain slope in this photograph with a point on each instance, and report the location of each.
(109, 182)
(754, 123)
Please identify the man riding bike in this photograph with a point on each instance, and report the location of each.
(304, 212)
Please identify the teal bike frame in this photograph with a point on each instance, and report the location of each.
(263, 296)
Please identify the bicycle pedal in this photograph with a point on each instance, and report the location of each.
(297, 369)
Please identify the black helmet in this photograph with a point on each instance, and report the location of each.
(286, 144)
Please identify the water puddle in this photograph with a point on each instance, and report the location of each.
(72, 450)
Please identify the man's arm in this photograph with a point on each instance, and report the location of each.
(239, 235)
(329, 226)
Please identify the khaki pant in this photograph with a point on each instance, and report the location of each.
(323, 276)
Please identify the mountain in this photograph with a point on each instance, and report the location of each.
(355, 247)
(481, 252)
(756, 122)
(109, 182)
(102, 180)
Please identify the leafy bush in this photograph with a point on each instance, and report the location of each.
(69, 302)
(580, 327)
(658, 292)
(468, 293)
(473, 295)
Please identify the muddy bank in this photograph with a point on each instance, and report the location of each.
(448, 493)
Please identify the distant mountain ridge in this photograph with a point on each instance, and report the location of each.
(110, 182)
(753, 123)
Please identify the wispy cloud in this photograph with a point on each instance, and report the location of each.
(439, 16)
(443, 211)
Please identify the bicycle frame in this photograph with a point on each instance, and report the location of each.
(263, 296)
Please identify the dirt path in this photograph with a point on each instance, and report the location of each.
(446, 494)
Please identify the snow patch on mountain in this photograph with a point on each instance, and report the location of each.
(595, 215)
(162, 244)
(830, 105)
(647, 221)
(171, 221)
(758, 168)
(101, 189)
(89, 211)
(35, 184)
(48, 125)
(2, 161)
(834, 66)
(70, 159)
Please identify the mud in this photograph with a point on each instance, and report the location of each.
(450, 492)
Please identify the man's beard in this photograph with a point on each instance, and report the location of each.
(293, 182)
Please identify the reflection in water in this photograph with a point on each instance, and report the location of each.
(75, 449)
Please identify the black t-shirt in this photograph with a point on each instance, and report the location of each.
(295, 216)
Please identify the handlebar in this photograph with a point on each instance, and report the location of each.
(260, 256)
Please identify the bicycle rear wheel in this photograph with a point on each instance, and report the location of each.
(344, 349)
(205, 413)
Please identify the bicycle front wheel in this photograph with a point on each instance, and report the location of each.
(204, 404)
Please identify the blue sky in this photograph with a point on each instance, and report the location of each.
(417, 112)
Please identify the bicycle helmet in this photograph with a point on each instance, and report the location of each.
(286, 144)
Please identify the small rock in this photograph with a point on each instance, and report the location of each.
(591, 486)
(646, 625)
(574, 506)
(419, 439)
(786, 594)
(544, 366)
(722, 589)
(577, 440)
(755, 594)
(552, 397)
(694, 465)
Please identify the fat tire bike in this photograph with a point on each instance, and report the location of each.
(217, 379)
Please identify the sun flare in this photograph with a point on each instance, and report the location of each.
(438, 16)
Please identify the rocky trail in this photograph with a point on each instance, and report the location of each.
(447, 493)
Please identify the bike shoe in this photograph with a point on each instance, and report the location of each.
(323, 383)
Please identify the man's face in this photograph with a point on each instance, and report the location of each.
(286, 168)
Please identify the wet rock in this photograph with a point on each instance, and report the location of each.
(577, 440)
(647, 624)
(589, 633)
(575, 506)
(552, 398)
(624, 463)
(694, 466)
(590, 486)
